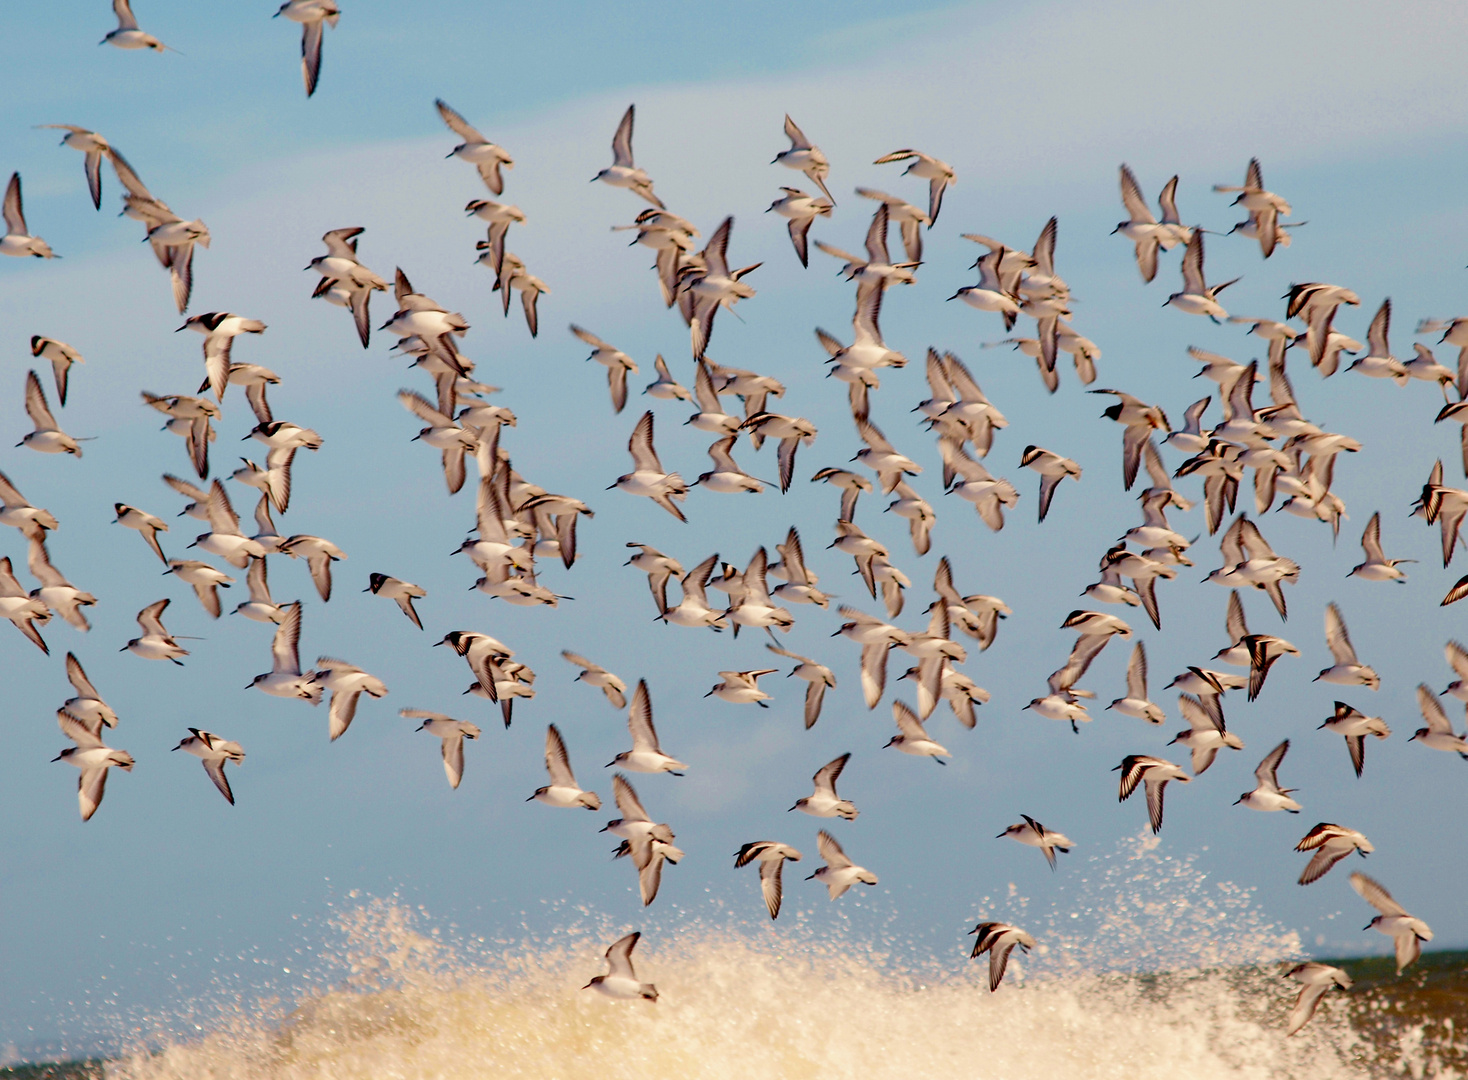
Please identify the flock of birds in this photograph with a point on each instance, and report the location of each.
(518, 524)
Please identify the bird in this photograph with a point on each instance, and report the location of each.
(726, 477)
(17, 512)
(172, 239)
(1136, 703)
(47, 438)
(1140, 420)
(563, 791)
(771, 856)
(127, 35)
(598, 676)
(347, 684)
(1143, 229)
(513, 275)
(912, 737)
(156, 643)
(1316, 979)
(312, 15)
(220, 328)
(1377, 566)
(882, 458)
(1196, 297)
(285, 678)
(648, 477)
(839, 873)
(817, 678)
(1331, 844)
(1269, 795)
(1207, 732)
(1457, 658)
(617, 363)
(145, 523)
(260, 607)
(1347, 670)
(646, 755)
(1153, 773)
(1264, 650)
(1379, 363)
(741, 687)
(403, 593)
(647, 842)
(666, 388)
(476, 149)
(1406, 931)
(95, 147)
(998, 940)
(452, 732)
(623, 173)
(1439, 733)
(87, 706)
(319, 555)
(804, 156)
(224, 537)
(938, 174)
(800, 211)
(1355, 726)
(800, 580)
(500, 216)
(621, 981)
(1052, 469)
(215, 752)
(92, 757)
(711, 284)
(1034, 834)
(825, 802)
(205, 580)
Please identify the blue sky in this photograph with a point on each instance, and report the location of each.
(1360, 125)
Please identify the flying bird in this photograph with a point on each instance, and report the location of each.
(313, 15)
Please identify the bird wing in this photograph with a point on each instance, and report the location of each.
(644, 457)
(1132, 199)
(1457, 657)
(1376, 333)
(622, 140)
(1375, 894)
(831, 851)
(453, 758)
(1193, 283)
(1336, 637)
(1371, 539)
(1237, 628)
(797, 138)
(907, 722)
(1198, 717)
(1265, 773)
(35, 404)
(14, 217)
(619, 956)
(639, 720)
(87, 736)
(825, 779)
(557, 762)
(627, 801)
(460, 127)
(1432, 711)
(92, 784)
(1044, 253)
(285, 652)
(310, 59)
(222, 518)
(123, 9)
(1305, 1004)
(1136, 673)
(770, 884)
(151, 618)
(341, 712)
(422, 408)
(78, 678)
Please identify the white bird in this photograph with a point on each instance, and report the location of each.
(621, 981)
(17, 512)
(646, 755)
(623, 173)
(1439, 733)
(452, 732)
(1032, 833)
(500, 216)
(800, 581)
(1355, 726)
(47, 438)
(347, 684)
(205, 580)
(998, 940)
(127, 35)
(882, 458)
(285, 678)
(476, 149)
(155, 643)
(1347, 670)
(87, 706)
(598, 676)
(129, 517)
(94, 146)
(839, 873)
(771, 856)
(260, 607)
(938, 174)
(1317, 980)
(800, 210)
(92, 757)
(741, 687)
(1377, 566)
(311, 14)
(172, 239)
(817, 678)
(804, 156)
(403, 593)
(726, 477)
(1153, 773)
(1331, 844)
(224, 537)
(1379, 363)
(1269, 795)
(220, 328)
(214, 751)
(1207, 732)
(563, 791)
(711, 284)
(1196, 298)
(1406, 931)
(617, 363)
(319, 555)
(1136, 702)
(642, 837)
(1052, 469)
(912, 737)
(666, 388)
(513, 275)
(1144, 230)
(825, 802)
(648, 477)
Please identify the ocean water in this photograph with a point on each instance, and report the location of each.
(1145, 969)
